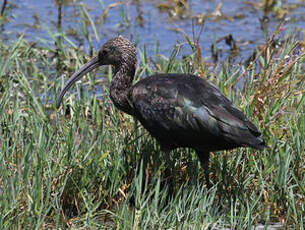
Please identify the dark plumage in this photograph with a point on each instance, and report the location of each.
(179, 110)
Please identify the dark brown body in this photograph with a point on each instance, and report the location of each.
(182, 110)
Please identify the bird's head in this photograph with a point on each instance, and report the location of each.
(119, 52)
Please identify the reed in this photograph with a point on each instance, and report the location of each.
(88, 166)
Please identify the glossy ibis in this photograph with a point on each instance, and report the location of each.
(179, 110)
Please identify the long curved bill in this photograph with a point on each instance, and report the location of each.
(86, 68)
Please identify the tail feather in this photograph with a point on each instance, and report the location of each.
(259, 143)
(242, 137)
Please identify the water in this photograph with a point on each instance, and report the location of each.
(237, 17)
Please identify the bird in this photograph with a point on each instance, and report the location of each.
(178, 110)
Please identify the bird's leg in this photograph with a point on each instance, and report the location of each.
(169, 163)
(166, 154)
(204, 160)
(169, 180)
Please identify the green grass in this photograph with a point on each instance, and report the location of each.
(89, 166)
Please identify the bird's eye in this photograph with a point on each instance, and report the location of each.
(104, 52)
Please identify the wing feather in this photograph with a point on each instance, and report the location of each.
(173, 103)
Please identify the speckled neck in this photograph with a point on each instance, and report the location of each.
(121, 85)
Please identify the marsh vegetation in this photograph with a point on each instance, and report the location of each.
(89, 166)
